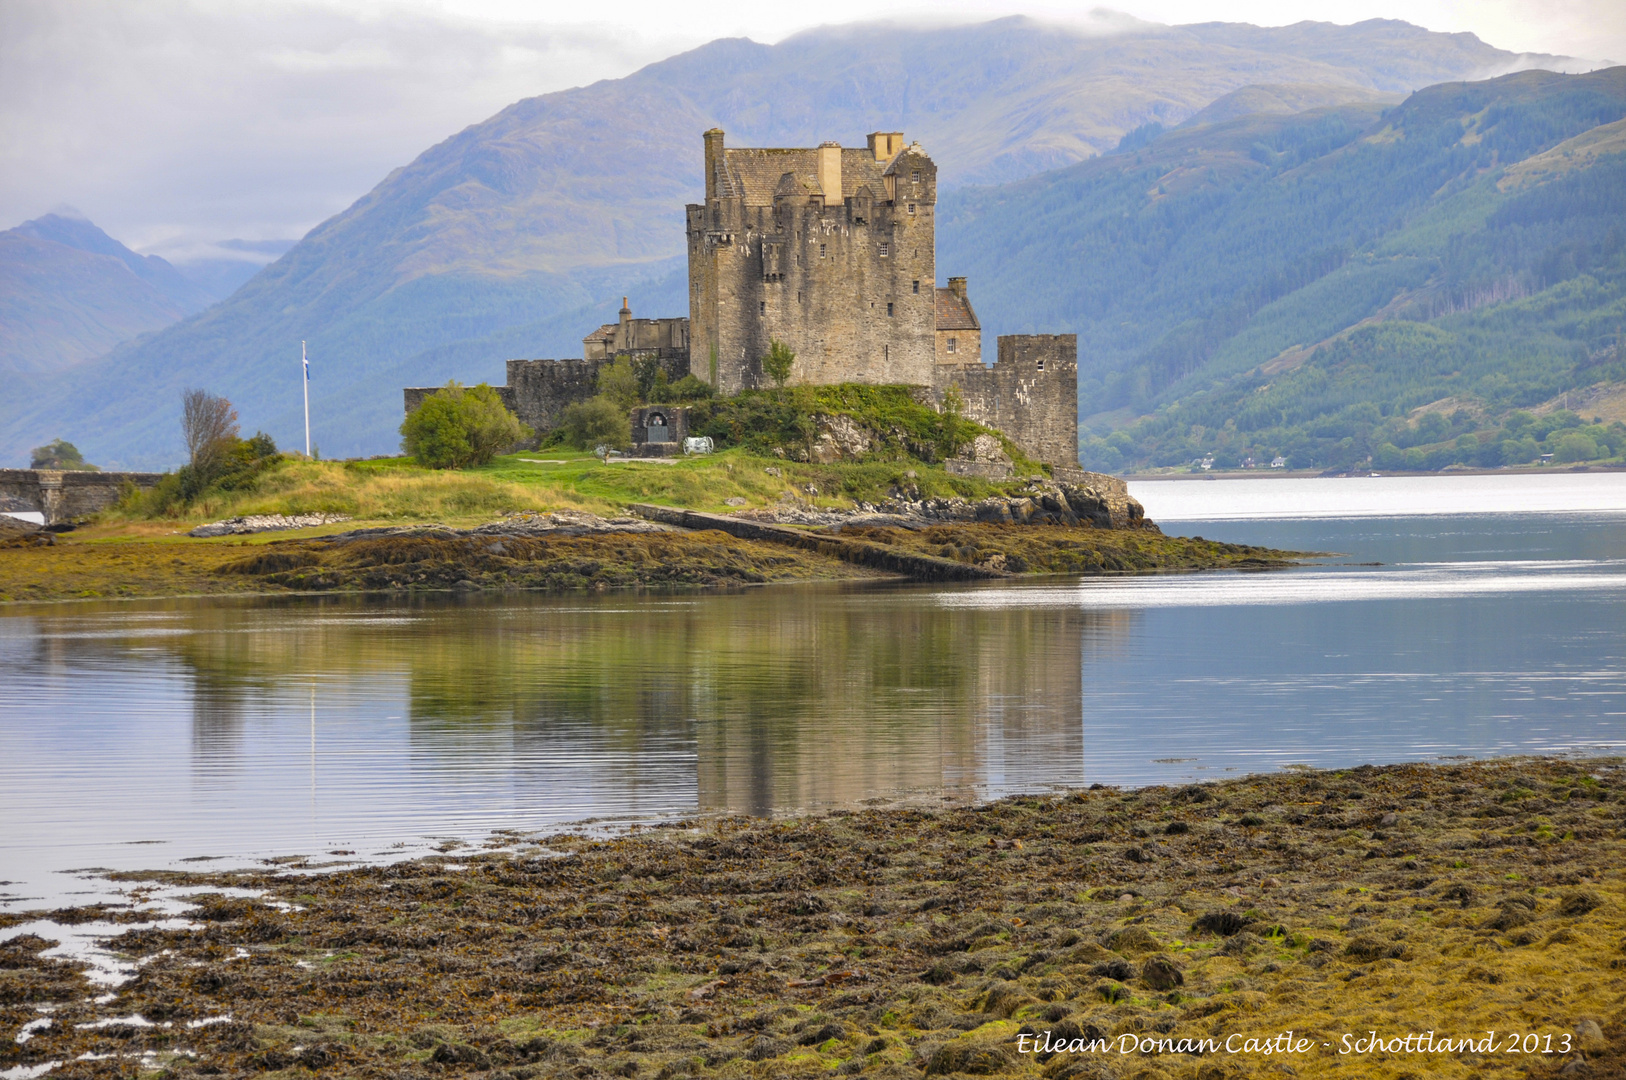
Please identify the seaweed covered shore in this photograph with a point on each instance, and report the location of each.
(1483, 904)
(515, 555)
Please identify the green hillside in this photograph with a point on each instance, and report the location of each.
(1417, 286)
(518, 234)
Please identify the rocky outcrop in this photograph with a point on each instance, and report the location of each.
(840, 438)
(257, 523)
(983, 456)
(1086, 498)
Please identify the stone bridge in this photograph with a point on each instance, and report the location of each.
(70, 495)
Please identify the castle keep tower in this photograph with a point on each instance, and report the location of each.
(830, 250)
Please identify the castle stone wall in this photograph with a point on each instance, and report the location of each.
(1030, 394)
(538, 390)
(847, 280)
(70, 495)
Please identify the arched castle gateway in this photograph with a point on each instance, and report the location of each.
(832, 251)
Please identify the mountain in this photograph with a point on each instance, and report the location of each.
(69, 293)
(519, 233)
(226, 266)
(1313, 285)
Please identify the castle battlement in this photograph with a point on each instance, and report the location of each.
(831, 250)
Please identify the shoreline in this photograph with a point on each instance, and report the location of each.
(427, 560)
(895, 942)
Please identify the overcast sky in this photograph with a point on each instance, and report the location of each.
(175, 124)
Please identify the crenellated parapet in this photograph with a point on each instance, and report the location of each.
(1030, 393)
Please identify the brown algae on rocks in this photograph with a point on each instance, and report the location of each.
(1450, 899)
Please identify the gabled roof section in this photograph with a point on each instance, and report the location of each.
(913, 151)
(954, 312)
(758, 174)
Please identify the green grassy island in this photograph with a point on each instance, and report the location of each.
(884, 505)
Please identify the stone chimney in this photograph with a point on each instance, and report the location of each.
(830, 173)
(885, 144)
(714, 160)
(957, 287)
(623, 332)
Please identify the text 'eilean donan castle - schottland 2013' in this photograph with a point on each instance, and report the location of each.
(833, 252)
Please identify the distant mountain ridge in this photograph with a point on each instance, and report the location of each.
(1312, 285)
(514, 235)
(69, 293)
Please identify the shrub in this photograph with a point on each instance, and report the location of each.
(690, 388)
(455, 427)
(597, 422)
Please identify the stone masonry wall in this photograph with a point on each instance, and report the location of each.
(1030, 394)
(538, 390)
(849, 285)
(70, 495)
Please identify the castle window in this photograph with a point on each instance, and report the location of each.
(889, 311)
(911, 208)
(1041, 365)
(821, 251)
(914, 177)
(953, 344)
(886, 249)
(917, 288)
(762, 309)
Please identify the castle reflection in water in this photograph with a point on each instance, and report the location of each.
(541, 709)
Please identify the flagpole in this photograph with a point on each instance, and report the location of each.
(305, 383)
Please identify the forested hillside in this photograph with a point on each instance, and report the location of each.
(1415, 286)
(519, 234)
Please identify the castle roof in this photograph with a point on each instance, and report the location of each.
(954, 312)
(759, 173)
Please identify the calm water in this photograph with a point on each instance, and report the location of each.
(143, 735)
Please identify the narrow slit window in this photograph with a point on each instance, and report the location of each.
(889, 310)
(821, 251)
(917, 288)
(762, 309)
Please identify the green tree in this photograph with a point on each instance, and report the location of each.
(455, 427)
(618, 381)
(58, 454)
(1574, 446)
(777, 364)
(597, 422)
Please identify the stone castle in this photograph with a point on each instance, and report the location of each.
(832, 251)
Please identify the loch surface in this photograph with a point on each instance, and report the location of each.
(160, 733)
